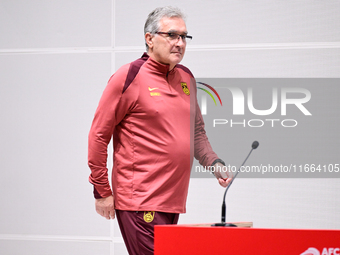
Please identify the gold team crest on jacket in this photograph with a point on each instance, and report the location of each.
(148, 216)
(185, 88)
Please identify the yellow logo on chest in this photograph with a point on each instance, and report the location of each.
(185, 88)
(155, 94)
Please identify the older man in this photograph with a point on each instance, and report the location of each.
(150, 110)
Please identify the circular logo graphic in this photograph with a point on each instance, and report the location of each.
(149, 216)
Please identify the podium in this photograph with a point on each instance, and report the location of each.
(204, 239)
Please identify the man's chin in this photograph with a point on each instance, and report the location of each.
(176, 59)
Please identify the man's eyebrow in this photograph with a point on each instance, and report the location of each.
(176, 32)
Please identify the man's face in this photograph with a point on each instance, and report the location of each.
(164, 49)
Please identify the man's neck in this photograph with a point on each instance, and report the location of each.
(151, 55)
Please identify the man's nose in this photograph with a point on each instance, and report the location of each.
(180, 41)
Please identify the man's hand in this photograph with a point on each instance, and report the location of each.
(224, 182)
(105, 207)
(223, 174)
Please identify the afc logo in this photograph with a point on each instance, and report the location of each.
(325, 251)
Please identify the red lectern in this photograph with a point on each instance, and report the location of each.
(207, 240)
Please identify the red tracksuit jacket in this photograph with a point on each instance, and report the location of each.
(153, 117)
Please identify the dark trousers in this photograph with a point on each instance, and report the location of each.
(137, 229)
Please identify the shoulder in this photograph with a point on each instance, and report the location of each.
(134, 68)
(120, 74)
(125, 75)
(185, 69)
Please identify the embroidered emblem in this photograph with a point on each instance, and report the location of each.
(185, 88)
(148, 216)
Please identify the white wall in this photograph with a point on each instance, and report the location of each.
(55, 60)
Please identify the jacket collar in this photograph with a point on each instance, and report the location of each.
(156, 66)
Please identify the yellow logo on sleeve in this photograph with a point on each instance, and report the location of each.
(148, 216)
(185, 88)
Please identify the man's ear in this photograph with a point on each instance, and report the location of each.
(148, 40)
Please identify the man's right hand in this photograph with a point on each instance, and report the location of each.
(223, 175)
(105, 207)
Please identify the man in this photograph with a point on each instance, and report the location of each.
(150, 110)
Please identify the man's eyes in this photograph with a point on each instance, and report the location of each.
(173, 35)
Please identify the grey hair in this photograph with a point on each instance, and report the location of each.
(152, 22)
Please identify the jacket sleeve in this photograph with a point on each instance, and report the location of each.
(203, 151)
(111, 110)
